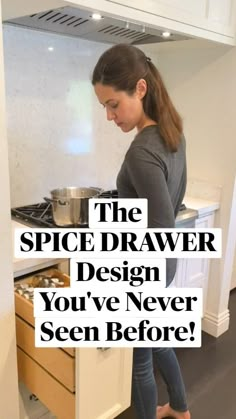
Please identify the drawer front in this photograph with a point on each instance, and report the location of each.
(57, 362)
(49, 391)
(24, 308)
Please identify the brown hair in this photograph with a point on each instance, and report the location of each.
(121, 66)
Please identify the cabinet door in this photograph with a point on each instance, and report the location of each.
(196, 273)
(214, 16)
(221, 16)
(103, 382)
(178, 280)
(182, 10)
(191, 273)
(197, 270)
(187, 11)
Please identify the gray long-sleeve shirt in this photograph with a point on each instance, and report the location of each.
(151, 171)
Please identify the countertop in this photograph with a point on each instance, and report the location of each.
(202, 206)
(25, 266)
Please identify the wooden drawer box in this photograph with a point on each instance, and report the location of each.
(85, 383)
(24, 308)
(47, 372)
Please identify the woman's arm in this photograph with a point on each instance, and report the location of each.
(148, 175)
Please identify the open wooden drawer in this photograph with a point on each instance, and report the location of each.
(74, 384)
(47, 372)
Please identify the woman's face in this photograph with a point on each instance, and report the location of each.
(125, 110)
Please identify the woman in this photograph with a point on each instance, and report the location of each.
(130, 88)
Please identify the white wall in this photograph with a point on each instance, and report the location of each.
(58, 134)
(201, 79)
(57, 131)
(8, 370)
(233, 281)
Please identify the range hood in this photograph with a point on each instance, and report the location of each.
(74, 22)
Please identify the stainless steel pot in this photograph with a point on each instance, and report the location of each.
(70, 205)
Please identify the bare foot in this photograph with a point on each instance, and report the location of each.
(166, 411)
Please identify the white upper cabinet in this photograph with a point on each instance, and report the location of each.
(201, 18)
(221, 16)
(181, 10)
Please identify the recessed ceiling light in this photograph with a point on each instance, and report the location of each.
(50, 48)
(166, 34)
(96, 16)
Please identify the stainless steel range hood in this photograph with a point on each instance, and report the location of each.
(74, 22)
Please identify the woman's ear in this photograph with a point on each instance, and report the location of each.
(141, 88)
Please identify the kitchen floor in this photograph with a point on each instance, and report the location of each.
(31, 407)
(209, 373)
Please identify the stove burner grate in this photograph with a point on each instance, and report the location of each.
(41, 214)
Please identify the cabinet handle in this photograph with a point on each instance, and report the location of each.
(103, 349)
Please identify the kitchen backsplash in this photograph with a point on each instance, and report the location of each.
(203, 190)
(58, 134)
(57, 131)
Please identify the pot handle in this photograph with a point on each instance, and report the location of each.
(51, 200)
(99, 190)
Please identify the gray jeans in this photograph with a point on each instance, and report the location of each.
(144, 388)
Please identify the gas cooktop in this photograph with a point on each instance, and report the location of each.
(40, 215)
